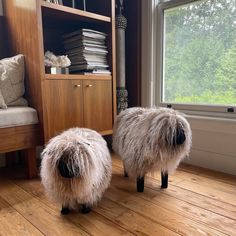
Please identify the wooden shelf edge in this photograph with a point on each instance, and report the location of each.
(76, 76)
(106, 132)
(78, 12)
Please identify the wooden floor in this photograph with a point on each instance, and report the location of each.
(197, 202)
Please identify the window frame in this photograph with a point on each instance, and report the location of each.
(195, 109)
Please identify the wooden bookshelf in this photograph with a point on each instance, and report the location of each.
(68, 13)
(78, 76)
(63, 101)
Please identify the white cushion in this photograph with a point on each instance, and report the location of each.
(18, 102)
(2, 102)
(18, 116)
(12, 73)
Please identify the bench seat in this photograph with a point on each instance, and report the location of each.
(18, 116)
(19, 130)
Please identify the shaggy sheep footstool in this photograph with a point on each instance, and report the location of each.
(150, 139)
(76, 169)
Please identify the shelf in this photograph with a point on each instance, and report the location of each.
(69, 13)
(76, 76)
(106, 132)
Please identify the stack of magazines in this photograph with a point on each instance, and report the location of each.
(87, 51)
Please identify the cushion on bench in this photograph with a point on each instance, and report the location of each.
(18, 116)
(12, 74)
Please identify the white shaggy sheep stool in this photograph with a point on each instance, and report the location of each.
(76, 169)
(150, 139)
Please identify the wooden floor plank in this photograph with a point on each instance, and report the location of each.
(123, 216)
(167, 218)
(12, 223)
(111, 210)
(197, 202)
(96, 224)
(47, 220)
(158, 197)
(206, 181)
(194, 176)
(190, 168)
(221, 177)
(189, 196)
(139, 224)
(209, 192)
(196, 199)
(93, 223)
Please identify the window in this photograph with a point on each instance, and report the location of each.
(197, 44)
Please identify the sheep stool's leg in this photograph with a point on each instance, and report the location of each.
(164, 180)
(125, 172)
(85, 209)
(140, 184)
(65, 210)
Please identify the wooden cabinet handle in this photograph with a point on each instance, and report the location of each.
(89, 85)
(77, 85)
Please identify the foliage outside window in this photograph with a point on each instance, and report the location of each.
(199, 53)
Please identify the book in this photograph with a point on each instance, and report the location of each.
(87, 56)
(87, 67)
(86, 62)
(91, 71)
(82, 38)
(98, 72)
(90, 63)
(87, 50)
(95, 33)
(86, 35)
(101, 72)
(74, 63)
(77, 44)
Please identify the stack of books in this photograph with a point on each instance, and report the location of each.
(87, 51)
(55, 1)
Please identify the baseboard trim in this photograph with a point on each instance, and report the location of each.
(213, 161)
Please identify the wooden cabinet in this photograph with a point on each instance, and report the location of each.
(62, 110)
(97, 105)
(86, 103)
(63, 100)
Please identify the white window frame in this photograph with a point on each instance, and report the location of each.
(152, 38)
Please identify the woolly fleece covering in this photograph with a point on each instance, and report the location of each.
(90, 160)
(143, 138)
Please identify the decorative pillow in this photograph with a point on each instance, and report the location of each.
(12, 73)
(19, 102)
(2, 102)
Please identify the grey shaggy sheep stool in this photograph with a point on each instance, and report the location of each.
(150, 139)
(76, 169)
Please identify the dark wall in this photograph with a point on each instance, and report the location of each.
(132, 11)
(3, 38)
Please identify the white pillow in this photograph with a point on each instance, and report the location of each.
(2, 102)
(12, 73)
(19, 102)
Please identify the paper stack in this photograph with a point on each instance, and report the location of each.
(87, 51)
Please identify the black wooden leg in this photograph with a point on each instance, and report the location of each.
(140, 184)
(65, 210)
(85, 209)
(164, 180)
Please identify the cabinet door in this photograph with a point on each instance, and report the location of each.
(63, 106)
(98, 104)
